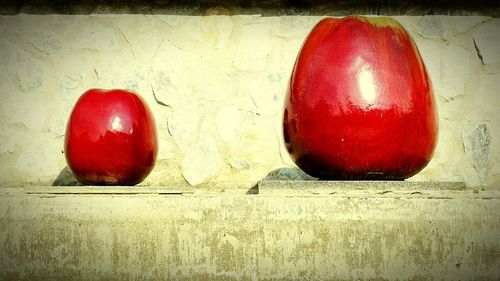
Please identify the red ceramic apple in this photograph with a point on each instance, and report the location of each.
(110, 138)
(360, 103)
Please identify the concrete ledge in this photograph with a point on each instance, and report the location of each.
(363, 233)
(367, 188)
(99, 190)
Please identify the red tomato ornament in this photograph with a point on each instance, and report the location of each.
(110, 138)
(360, 103)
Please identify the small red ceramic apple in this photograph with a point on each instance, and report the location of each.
(110, 138)
(360, 103)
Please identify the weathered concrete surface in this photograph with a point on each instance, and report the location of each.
(317, 187)
(412, 234)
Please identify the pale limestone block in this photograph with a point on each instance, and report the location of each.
(254, 46)
(459, 25)
(60, 105)
(40, 157)
(202, 161)
(54, 23)
(96, 36)
(40, 35)
(7, 142)
(465, 41)
(464, 24)
(167, 148)
(238, 164)
(170, 74)
(76, 71)
(174, 35)
(224, 28)
(7, 53)
(477, 144)
(211, 84)
(171, 20)
(430, 27)
(457, 110)
(29, 71)
(409, 23)
(193, 34)
(216, 31)
(183, 126)
(289, 52)
(30, 76)
(69, 82)
(46, 42)
(22, 109)
(447, 162)
(246, 103)
(258, 143)
(170, 88)
(61, 101)
(123, 73)
(271, 99)
(228, 120)
(208, 124)
(431, 56)
(144, 90)
(267, 93)
(292, 27)
(57, 120)
(487, 96)
(487, 40)
(198, 30)
(493, 177)
(455, 70)
(166, 172)
(141, 38)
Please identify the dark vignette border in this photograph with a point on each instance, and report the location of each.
(263, 7)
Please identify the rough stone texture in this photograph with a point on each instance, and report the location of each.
(202, 162)
(431, 26)
(477, 143)
(216, 86)
(347, 235)
(455, 69)
(487, 39)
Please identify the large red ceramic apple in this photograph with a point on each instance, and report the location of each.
(110, 138)
(360, 103)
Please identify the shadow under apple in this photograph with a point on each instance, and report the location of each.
(66, 178)
(285, 173)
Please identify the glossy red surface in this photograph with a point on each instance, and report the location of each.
(360, 103)
(110, 138)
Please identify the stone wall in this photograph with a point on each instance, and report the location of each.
(216, 86)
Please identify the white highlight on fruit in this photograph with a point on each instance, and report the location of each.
(117, 124)
(366, 85)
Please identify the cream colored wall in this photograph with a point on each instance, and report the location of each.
(216, 86)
